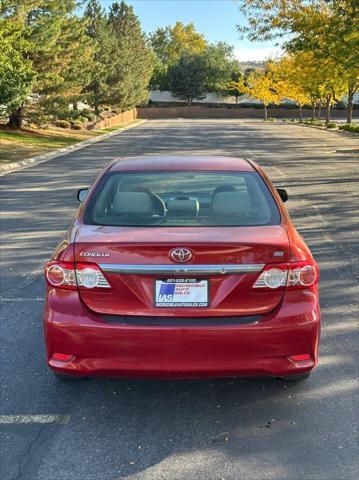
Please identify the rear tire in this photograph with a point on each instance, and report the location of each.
(295, 378)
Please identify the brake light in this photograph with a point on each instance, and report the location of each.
(86, 276)
(61, 275)
(288, 275)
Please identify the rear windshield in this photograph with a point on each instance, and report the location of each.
(182, 199)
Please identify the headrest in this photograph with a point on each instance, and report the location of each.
(132, 203)
(183, 207)
(223, 188)
(231, 203)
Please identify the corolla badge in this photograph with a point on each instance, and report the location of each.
(181, 255)
(94, 254)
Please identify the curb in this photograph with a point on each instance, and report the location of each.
(29, 162)
(317, 127)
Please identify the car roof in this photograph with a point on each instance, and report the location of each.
(181, 162)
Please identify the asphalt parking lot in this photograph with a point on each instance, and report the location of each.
(239, 429)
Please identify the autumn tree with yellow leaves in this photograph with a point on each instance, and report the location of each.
(304, 79)
(262, 85)
(328, 30)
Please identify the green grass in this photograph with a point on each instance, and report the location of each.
(350, 127)
(316, 123)
(42, 140)
(20, 144)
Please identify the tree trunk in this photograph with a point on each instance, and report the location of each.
(319, 109)
(265, 112)
(327, 109)
(16, 118)
(237, 99)
(74, 105)
(300, 113)
(189, 101)
(350, 105)
(313, 111)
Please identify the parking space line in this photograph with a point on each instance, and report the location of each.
(21, 299)
(23, 419)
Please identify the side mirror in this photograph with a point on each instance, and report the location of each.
(283, 194)
(82, 194)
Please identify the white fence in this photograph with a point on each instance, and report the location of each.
(166, 96)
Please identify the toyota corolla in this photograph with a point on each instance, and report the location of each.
(182, 267)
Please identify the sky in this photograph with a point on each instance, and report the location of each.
(215, 19)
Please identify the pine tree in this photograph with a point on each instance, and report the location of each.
(59, 52)
(188, 78)
(132, 59)
(97, 30)
(16, 73)
(61, 56)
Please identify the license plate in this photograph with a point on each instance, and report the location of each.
(181, 292)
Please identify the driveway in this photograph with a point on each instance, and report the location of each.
(147, 430)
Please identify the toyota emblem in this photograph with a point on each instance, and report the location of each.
(181, 255)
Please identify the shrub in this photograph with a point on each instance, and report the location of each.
(83, 120)
(350, 127)
(62, 124)
(77, 125)
(271, 119)
(331, 125)
(86, 114)
(67, 114)
(312, 122)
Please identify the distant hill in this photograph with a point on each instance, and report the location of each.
(245, 65)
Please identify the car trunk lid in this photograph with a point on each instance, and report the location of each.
(228, 259)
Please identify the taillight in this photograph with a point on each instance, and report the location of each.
(86, 276)
(89, 275)
(288, 275)
(61, 275)
(302, 275)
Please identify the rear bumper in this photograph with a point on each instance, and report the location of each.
(262, 348)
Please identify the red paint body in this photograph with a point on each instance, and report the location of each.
(288, 321)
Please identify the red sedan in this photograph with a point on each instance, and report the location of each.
(185, 267)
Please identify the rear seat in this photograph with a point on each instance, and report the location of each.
(231, 203)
